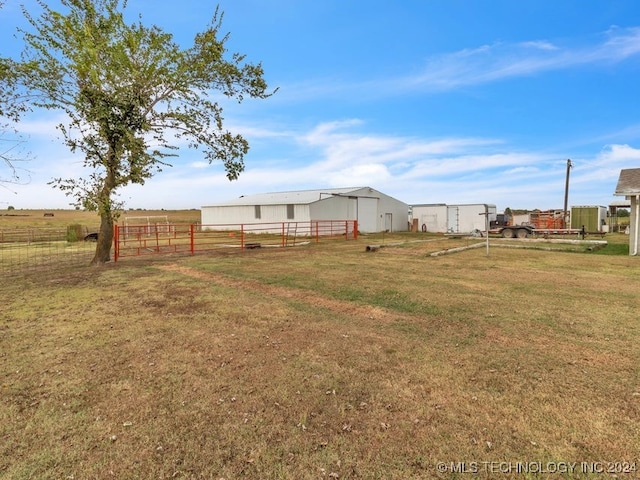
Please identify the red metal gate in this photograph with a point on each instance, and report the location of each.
(163, 238)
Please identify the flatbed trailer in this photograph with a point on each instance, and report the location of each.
(514, 231)
(559, 231)
(526, 231)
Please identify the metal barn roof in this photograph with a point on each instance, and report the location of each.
(300, 197)
(629, 182)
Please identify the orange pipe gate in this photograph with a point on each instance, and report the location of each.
(162, 238)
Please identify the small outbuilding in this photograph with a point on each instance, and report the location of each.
(374, 211)
(629, 187)
(442, 218)
(593, 218)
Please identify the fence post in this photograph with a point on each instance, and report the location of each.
(283, 243)
(192, 245)
(242, 236)
(355, 229)
(116, 242)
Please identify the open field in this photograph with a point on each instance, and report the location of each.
(325, 361)
(62, 218)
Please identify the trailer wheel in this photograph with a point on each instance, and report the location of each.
(522, 233)
(507, 233)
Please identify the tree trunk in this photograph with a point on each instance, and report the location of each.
(105, 239)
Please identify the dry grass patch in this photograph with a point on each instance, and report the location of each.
(320, 362)
(62, 218)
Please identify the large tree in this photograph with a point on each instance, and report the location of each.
(131, 95)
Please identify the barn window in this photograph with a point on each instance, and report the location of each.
(258, 212)
(290, 211)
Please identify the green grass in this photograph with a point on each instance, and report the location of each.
(613, 249)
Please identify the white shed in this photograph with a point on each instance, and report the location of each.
(374, 211)
(629, 187)
(442, 218)
(431, 217)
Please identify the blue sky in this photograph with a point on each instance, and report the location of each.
(429, 101)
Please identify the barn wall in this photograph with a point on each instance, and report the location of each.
(218, 215)
(368, 215)
(278, 213)
(378, 212)
(334, 208)
(396, 210)
(373, 210)
(232, 215)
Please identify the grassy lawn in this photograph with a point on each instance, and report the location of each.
(324, 361)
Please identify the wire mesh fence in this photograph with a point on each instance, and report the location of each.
(25, 250)
(42, 250)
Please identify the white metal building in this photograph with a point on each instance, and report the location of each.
(374, 211)
(442, 218)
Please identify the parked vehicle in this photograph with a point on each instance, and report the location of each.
(538, 223)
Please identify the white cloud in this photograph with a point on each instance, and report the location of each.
(346, 153)
(621, 43)
(619, 153)
(360, 175)
(606, 165)
(540, 45)
(501, 60)
(199, 164)
(473, 66)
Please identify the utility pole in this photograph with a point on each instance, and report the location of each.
(566, 194)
